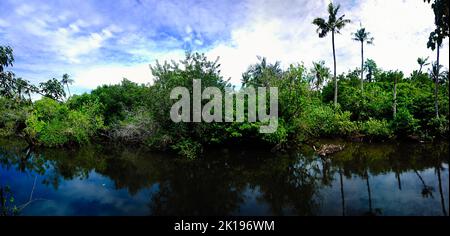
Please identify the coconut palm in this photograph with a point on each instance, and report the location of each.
(53, 89)
(422, 62)
(21, 86)
(334, 24)
(362, 36)
(371, 67)
(6, 57)
(320, 72)
(436, 74)
(66, 81)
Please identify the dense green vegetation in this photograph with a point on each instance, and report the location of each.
(380, 106)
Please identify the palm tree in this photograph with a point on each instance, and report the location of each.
(6, 57)
(333, 25)
(371, 68)
(259, 73)
(362, 36)
(320, 72)
(422, 62)
(53, 89)
(394, 105)
(31, 89)
(21, 86)
(436, 75)
(66, 81)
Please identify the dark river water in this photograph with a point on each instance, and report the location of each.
(364, 179)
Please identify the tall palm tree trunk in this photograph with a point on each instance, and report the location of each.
(436, 85)
(67, 85)
(394, 106)
(334, 77)
(362, 66)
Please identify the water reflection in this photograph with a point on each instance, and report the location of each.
(364, 179)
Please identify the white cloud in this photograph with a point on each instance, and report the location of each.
(48, 43)
(280, 31)
(114, 73)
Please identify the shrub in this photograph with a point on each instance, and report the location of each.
(188, 148)
(439, 127)
(12, 117)
(54, 124)
(404, 123)
(376, 129)
(323, 120)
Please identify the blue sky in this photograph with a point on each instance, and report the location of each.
(102, 41)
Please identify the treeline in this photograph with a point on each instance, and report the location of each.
(133, 113)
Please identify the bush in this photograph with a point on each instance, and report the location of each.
(188, 148)
(439, 127)
(404, 123)
(376, 129)
(54, 124)
(12, 117)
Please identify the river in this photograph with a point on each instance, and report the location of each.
(363, 179)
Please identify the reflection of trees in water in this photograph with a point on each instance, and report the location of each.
(361, 159)
(217, 185)
(427, 190)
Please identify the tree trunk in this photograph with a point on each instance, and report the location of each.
(68, 90)
(394, 106)
(334, 78)
(362, 66)
(436, 85)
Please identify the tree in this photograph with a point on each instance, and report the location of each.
(21, 86)
(422, 62)
(7, 85)
(396, 77)
(436, 75)
(257, 74)
(362, 36)
(6, 57)
(53, 89)
(334, 24)
(441, 18)
(371, 67)
(66, 81)
(320, 72)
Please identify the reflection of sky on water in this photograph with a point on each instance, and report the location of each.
(258, 188)
(386, 195)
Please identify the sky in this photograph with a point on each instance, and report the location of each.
(101, 41)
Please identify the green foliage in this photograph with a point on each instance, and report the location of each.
(12, 117)
(53, 89)
(119, 99)
(169, 76)
(7, 206)
(376, 129)
(133, 113)
(404, 123)
(326, 121)
(54, 124)
(188, 148)
(439, 127)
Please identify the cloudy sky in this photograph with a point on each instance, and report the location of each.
(102, 41)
